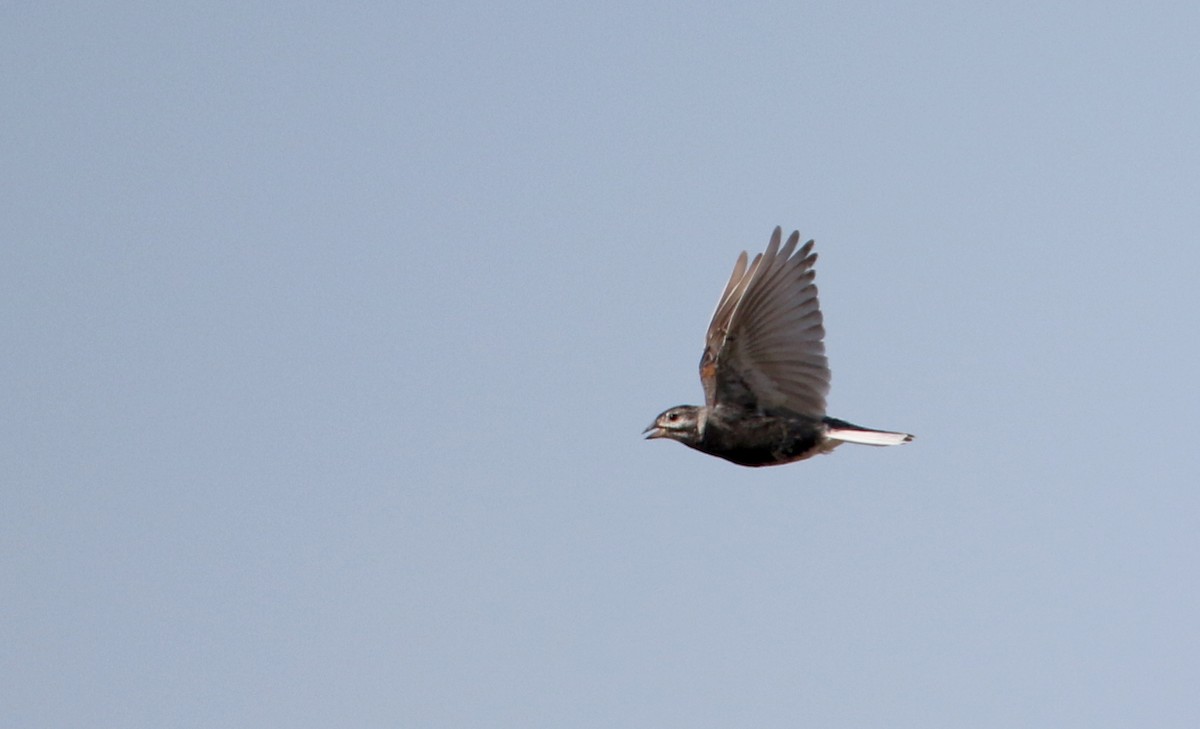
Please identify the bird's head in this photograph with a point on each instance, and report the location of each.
(682, 423)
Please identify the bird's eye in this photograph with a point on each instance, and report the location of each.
(673, 417)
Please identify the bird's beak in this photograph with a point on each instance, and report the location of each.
(654, 431)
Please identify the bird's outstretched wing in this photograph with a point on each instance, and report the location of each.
(764, 347)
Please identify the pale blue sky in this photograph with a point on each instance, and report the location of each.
(331, 332)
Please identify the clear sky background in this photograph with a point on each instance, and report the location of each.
(329, 335)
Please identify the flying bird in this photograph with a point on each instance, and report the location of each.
(764, 369)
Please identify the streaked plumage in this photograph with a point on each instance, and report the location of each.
(764, 370)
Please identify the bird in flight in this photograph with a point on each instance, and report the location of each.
(764, 369)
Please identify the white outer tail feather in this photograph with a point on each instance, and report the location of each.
(868, 437)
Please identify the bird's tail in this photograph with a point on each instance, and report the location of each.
(850, 433)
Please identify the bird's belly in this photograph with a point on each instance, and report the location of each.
(764, 441)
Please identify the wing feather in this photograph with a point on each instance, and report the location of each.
(765, 345)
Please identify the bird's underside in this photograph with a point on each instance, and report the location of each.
(756, 439)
